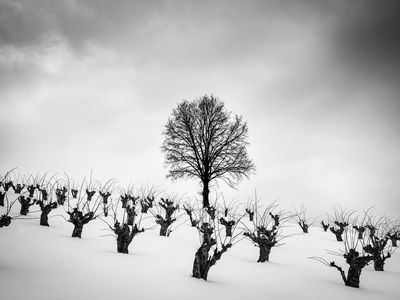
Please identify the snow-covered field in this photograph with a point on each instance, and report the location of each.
(46, 263)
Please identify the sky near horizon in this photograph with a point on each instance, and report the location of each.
(90, 84)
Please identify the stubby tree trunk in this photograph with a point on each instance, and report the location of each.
(122, 247)
(5, 221)
(303, 225)
(251, 216)
(379, 264)
(324, 226)
(25, 204)
(125, 236)
(44, 218)
(353, 277)
(2, 196)
(164, 231)
(339, 237)
(200, 264)
(264, 254)
(46, 209)
(338, 233)
(393, 238)
(78, 227)
(74, 193)
(18, 188)
(130, 211)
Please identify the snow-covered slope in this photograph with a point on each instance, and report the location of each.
(46, 263)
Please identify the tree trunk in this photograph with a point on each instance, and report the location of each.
(304, 228)
(78, 227)
(339, 237)
(131, 219)
(200, 264)
(251, 217)
(264, 254)
(379, 264)
(24, 208)
(44, 219)
(163, 231)
(2, 196)
(122, 246)
(228, 230)
(353, 277)
(206, 192)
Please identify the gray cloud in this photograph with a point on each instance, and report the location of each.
(316, 81)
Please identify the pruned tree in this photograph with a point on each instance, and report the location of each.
(125, 228)
(378, 245)
(46, 202)
(203, 140)
(213, 244)
(230, 217)
(265, 231)
(147, 197)
(81, 210)
(166, 214)
(324, 226)
(105, 192)
(393, 232)
(359, 224)
(302, 219)
(191, 211)
(250, 208)
(354, 255)
(341, 219)
(5, 218)
(26, 203)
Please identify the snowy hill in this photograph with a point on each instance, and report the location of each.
(42, 263)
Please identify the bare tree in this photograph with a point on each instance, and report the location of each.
(191, 211)
(325, 226)
(213, 243)
(127, 227)
(82, 210)
(378, 245)
(5, 218)
(341, 219)
(355, 257)
(203, 140)
(105, 192)
(302, 219)
(393, 232)
(250, 208)
(167, 213)
(265, 230)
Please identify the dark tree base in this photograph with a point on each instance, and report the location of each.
(353, 277)
(44, 219)
(264, 254)
(164, 231)
(2, 196)
(77, 231)
(122, 246)
(379, 265)
(339, 238)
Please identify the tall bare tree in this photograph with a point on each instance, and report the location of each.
(203, 140)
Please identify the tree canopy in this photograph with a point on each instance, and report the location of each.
(203, 140)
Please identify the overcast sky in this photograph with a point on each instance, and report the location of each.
(89, 85)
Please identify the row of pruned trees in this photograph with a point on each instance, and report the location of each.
(219, 227)
(366, 239)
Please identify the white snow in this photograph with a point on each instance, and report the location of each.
(46, 263)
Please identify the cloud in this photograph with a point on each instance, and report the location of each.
(89, 84)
